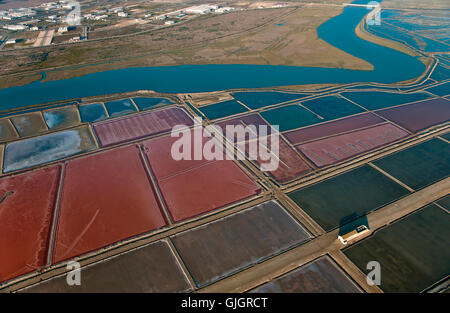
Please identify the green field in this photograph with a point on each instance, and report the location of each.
(290, 117)
(413, 252)
(420, 165)
(351, 194)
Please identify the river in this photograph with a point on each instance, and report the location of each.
(389, 66)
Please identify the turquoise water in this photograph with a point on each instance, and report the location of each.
(145, 103)
(389, 66)
(332, 107)
(92, 112)
(440, 90)
(54, 118)
(256, 100)
(61, 117)
(441, 73)
(435, 27)
(290, 117)
(120, 107)
(222, 109)
(372, 100)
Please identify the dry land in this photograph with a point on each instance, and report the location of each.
(285, 36)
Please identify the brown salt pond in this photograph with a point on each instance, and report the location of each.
(319, 276)
(226, 246)
(152, 268)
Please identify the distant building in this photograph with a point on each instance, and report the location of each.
(169, 22)
(122, 14)
(175, 13)
(49, 6)
(202, 9)
(21, 12)
(15, 27)
(116, 9)
(362, 229)
(100, 17)
(30, 22)
(280, 5)
(224, 10)
(161, 17)
(4, 15)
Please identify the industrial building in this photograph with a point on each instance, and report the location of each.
(360, 230)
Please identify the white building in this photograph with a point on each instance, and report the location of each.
(201, 9)
(116, 10)
(224, 10)
(169, 23)
(161, 17)
(22, 12)
(360, 230)
(48, 5)
(280, 5)
(100, 17)
(15, 27)
(122, 14)
(175, 13)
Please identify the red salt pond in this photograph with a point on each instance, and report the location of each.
(194, 187)
(106, 197)
(26, 214)
(332, 128)
(333, 149)
(420, 115)
(138, 126)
